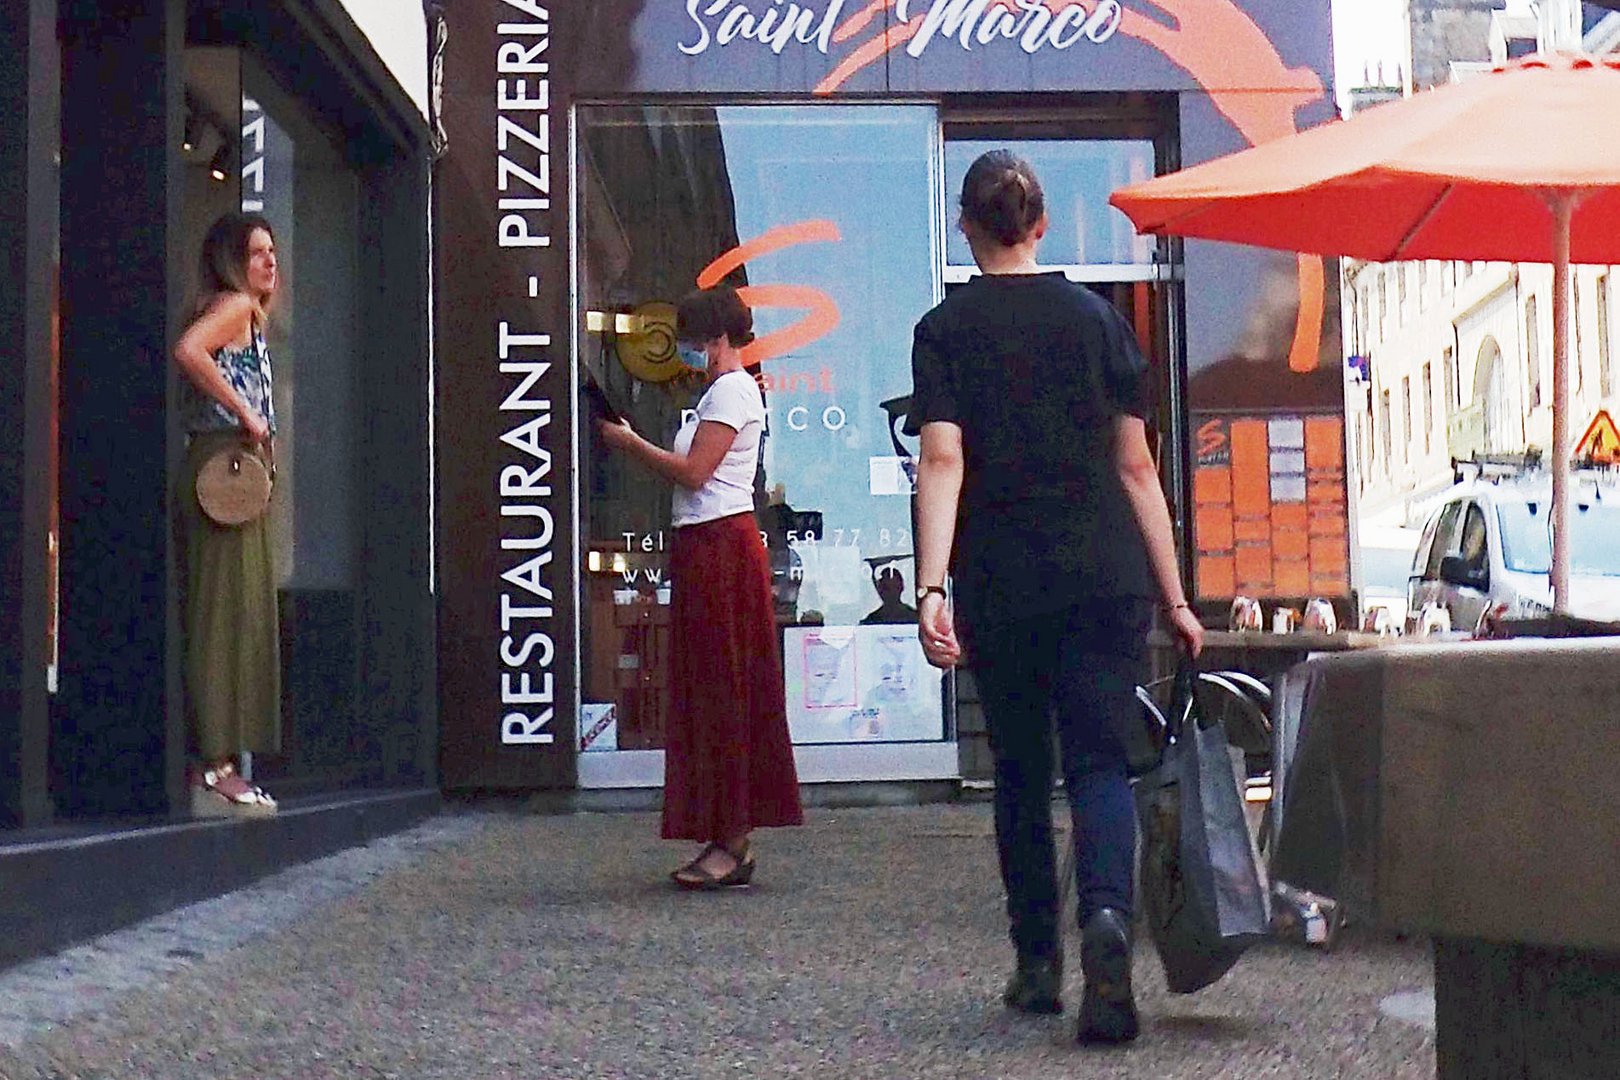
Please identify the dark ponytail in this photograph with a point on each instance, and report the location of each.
(1002, 198)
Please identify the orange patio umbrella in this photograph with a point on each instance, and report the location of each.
(1517, 165)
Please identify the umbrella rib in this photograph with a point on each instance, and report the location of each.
(1417, 227)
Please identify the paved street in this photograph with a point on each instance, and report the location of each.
(492, 945)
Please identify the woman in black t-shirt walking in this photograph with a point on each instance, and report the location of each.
(1036, 484)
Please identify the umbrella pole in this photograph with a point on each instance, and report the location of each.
(1563, 207)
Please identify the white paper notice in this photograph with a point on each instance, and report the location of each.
(860, 684)
(891, 476)
(598, 726)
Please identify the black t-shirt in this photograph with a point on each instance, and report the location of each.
(1034, 369)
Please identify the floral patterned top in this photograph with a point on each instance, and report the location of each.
(247, 369)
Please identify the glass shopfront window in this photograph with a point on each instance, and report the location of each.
(828, 218)
(1087, 239)
(1077, 176)
(250, 144)
(294, 173)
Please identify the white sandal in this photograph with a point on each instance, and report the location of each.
(217, 796)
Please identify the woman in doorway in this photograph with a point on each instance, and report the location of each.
(1029, 395)
(233, 640)
(728, 760)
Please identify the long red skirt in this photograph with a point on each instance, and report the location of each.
(728, 762)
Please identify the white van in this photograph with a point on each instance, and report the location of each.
(1488, 548)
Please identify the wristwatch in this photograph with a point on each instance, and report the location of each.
(924, 590)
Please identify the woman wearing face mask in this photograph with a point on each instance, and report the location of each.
(728, 761)
(1030, 396)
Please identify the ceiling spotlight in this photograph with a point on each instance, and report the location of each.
(219, 167)
(188, 138)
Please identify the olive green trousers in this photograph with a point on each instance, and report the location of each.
(232, 630)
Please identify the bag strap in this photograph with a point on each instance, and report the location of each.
(263, 364)
(1184, 700)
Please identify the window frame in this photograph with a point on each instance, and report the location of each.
(1406, 419)
(1428, 407)
(1480, 564)
(1532, 351)
(1446, 535)
(1110, 121)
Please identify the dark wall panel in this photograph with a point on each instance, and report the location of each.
(318, 708)
(28, 103)
(396, 625)
(13, 395)
(119, 66)
(507, 564)
(358, 639)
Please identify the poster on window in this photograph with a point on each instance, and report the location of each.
(860, 684)
(1269, 503)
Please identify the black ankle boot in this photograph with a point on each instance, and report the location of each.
(1108, 1011)
(1036, 985)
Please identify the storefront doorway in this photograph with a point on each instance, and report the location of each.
(1080, 158)
(251, 145)
(827, 217)
(839, 223)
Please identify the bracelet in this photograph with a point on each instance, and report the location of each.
(1177, 607)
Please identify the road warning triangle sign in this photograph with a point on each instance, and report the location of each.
(1601, 443)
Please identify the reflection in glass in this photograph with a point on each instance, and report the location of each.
(826, 216)
(1077, 176)
(290, 170)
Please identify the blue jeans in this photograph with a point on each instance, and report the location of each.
(1076, 669)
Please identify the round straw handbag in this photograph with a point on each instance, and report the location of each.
(234, 485)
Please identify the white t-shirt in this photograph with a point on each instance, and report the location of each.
(733, 400)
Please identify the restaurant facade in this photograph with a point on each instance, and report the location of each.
(605, 158)
(480, 209)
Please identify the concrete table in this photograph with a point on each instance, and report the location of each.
(1257, 652)
(1471, 792)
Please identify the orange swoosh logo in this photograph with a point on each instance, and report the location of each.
(821, 314)
(1220, 46)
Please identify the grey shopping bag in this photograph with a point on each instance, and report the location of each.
(1201, 887)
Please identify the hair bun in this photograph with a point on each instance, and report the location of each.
(1001, 197)
(1017, 180)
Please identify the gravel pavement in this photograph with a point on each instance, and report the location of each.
(489, 945)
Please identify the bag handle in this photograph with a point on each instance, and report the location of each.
(1184, 700)
(268, 448)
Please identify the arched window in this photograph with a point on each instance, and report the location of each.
(1491, 372)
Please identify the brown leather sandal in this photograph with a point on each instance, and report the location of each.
(691, 868)
(695, 877)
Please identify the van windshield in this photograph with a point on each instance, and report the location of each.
(1594, 537)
